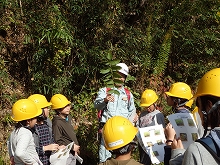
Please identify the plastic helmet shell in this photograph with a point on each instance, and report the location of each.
(40, 100)
(209, 84)
(148, 97)
(118, 132)
(59, 101)
(180, 90)
(25, 109)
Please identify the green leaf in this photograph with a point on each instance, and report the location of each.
(116, 92)
(117, 81)
(104, 71)
(109, 56)
(130, 78)
(109, 82)
(113, 62)
(107, 76)
(116, 68)
(113, 91)
(110, 86)
(116, 75)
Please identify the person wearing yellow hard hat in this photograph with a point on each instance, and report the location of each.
(206, 149)
(43, 137)
(111, 104)
(21, 144)
(118, 136)
(62, 128)
(177, 97)
(149, 116)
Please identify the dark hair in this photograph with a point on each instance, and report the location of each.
(20, 124)
(125, 149)
(57, 111)
(178, 101)
(214, 116)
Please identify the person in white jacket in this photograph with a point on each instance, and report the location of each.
(21, 145)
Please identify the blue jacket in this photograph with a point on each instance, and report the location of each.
(120, 107)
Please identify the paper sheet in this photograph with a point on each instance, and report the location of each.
(153, 141)
(60, 156)
(185, 127)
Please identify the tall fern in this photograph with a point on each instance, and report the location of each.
(163, 56)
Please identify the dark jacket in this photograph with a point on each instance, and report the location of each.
(63, 131)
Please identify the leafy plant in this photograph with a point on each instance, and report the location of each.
(111, 76)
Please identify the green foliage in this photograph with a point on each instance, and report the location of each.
(8, 95)
(111, 76)
(86, 126)
(2, 162)
(61, 46)
(162, 60)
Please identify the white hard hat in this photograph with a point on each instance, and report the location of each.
(124, 68)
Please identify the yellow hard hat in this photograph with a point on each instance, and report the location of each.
(118, 132)
(25, 109)
(180, 90)
(209, 84)
(148, 97)
(59, 101)
(40, 100)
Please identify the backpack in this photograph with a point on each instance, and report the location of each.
(211, 146)
(100, 112)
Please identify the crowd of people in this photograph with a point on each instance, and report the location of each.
(36, 137)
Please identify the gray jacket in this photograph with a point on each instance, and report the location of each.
(195, 154)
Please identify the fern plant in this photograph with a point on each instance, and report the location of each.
(162, 59)
(111, 75)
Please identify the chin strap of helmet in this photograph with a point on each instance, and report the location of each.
(177, 101)
(124, 150)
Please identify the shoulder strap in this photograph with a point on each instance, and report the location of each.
(210, 145)
(107, 89)
(128, 93)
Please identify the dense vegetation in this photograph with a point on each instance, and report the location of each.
(60, 46)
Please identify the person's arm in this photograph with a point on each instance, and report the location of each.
(170, 133)
(100, 101)
(58, 137)
(10, 151)
(39, 144)
(23, 142)
(177, 156)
